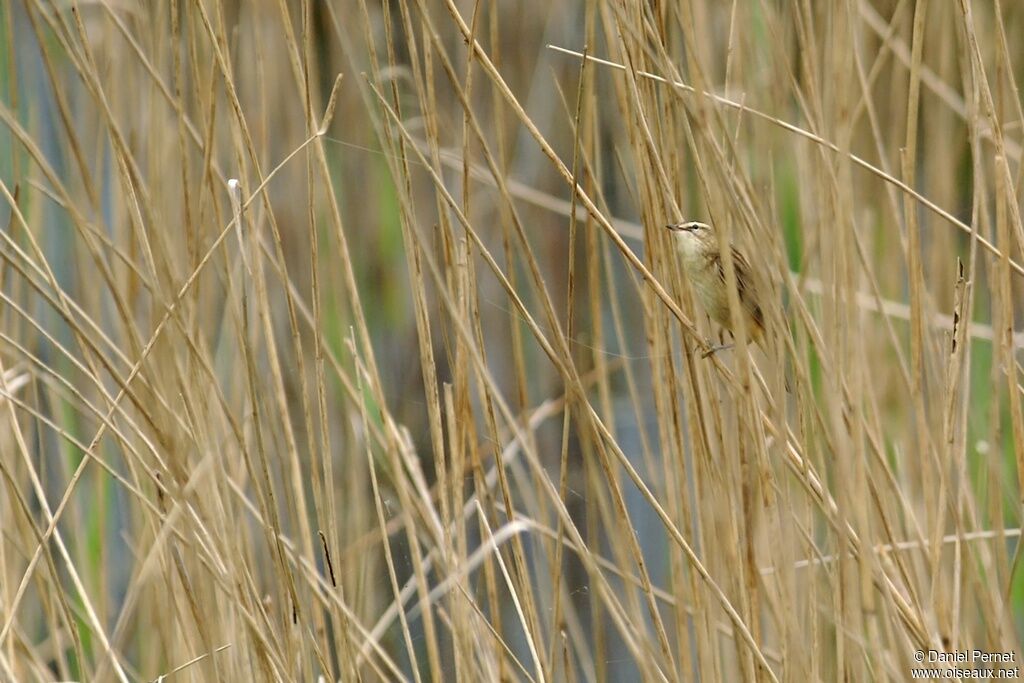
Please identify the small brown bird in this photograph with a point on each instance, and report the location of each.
(697, 245)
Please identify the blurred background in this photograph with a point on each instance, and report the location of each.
(343, 340)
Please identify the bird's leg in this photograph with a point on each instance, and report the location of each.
(714, 348)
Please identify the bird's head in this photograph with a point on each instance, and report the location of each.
(694, 228)
(693, 235)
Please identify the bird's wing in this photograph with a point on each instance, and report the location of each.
(745, 285)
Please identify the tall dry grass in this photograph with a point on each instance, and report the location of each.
(343, 340)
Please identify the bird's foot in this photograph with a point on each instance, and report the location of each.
(714, 348)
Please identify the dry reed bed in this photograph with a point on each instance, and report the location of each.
(344, 340)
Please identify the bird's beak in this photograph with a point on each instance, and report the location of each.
(682, 227)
